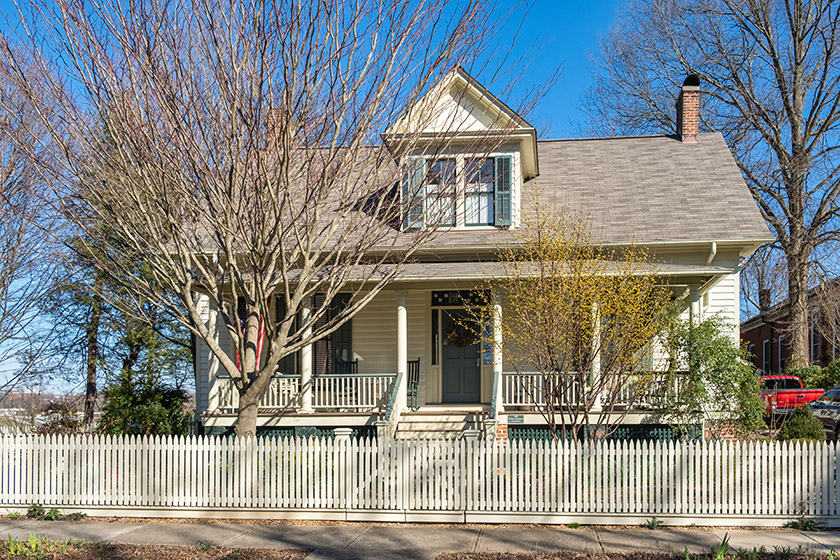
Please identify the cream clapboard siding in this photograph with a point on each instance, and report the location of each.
(374, 342)
(724, 300)
(375, 334)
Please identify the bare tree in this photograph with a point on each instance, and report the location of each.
(825, 318)
(25, 248)
(770, 76)
(244, 162)
(763, 280)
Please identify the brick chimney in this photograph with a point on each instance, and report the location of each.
(688, 109)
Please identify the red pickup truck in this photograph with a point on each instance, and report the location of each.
(782, 393)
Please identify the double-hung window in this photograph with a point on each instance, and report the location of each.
(440, 193)
(766, 357)
(481, 188)
(428, 193)
(816, 338)
(457, 192)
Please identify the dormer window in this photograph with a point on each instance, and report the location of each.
(440, 193)
(457, 192)
(494, 151)
(481, 190)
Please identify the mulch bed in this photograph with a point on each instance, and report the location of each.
(766, 555)
(98, 551)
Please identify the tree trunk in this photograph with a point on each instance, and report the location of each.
(92, 344)
(249, 399)
(246, 419)
(797, 328)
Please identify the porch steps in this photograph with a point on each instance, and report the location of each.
(437, 425)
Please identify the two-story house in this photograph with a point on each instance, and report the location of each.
(680, 196)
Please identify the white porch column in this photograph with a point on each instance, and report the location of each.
(402, 350)
(497, 351)
(595, 370)
(213, 364)
(694, 307)
(306, 361)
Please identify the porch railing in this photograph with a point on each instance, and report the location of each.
(530, 389)
(359, 393)
(283, 392)
(330, 393)
(644, 390)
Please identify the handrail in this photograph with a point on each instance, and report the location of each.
(392, 402)
(392, 414)
(497, 380)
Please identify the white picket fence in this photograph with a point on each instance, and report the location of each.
(718, 483)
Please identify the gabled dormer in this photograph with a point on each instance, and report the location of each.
(464, 155)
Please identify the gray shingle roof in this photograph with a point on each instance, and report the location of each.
(639, 190)
(652, 188)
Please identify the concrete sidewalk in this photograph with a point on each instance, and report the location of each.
(345, 542)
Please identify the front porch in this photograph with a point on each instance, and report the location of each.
(382, 402)
(396, 363)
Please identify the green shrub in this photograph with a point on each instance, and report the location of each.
(811, 376)
(802, 426)
(819, 378)
(828, 377)
(803, 523)
(136, 405)
(720, 385)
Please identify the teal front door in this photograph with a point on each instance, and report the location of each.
(461, 369)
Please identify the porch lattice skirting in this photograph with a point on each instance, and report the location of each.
(469, 480)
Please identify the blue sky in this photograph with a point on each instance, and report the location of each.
(566, 32)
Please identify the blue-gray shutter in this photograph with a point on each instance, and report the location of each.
(503, 190)
(412, 193)
(342, 338)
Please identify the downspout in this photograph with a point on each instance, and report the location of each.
(712, 253)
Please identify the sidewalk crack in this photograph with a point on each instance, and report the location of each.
(357, 537)
(806, 535)
(124, 532)
(233, 538)
(598, 537)
(478, 536)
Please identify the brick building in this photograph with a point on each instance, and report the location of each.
(765, 334)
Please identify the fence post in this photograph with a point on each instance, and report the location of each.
(343, 480)
(470, 475)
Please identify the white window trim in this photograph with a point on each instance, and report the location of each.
(766, 355)
(781, 366)
(815, 338)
